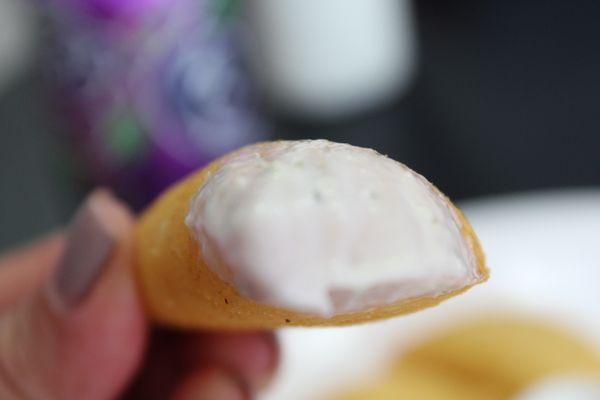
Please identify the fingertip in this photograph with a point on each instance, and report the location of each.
(212, 383)
(267, 356)
(98, 238)
(115, 216)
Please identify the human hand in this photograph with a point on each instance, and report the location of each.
(73, 327)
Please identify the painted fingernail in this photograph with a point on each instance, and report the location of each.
(213, 384)
(90, 242)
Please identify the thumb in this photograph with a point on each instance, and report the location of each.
(81, 336)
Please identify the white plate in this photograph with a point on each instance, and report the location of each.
(544, 253)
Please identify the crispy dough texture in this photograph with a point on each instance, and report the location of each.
(180, 290)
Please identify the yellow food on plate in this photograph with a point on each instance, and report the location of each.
(496, 358)
(419, 382)
(302, 233)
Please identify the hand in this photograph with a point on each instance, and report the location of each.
(72, 326)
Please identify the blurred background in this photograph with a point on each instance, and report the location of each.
(480, 97)
(495, 102)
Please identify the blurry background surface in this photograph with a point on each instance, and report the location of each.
(503, 98)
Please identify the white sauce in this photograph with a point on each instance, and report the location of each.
(326, 228)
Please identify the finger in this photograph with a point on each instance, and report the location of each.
(23, 270)
(253, 355)
(174, 356)
(81, 336)
(212, 383)
(163, 367)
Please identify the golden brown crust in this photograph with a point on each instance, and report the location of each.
(180, 290)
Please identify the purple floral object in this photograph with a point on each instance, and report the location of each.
(150, 96)
(110, 11)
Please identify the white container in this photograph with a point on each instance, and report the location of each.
(324, 59)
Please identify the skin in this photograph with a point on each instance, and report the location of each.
(105, 348)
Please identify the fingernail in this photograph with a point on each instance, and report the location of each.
(213, 384)
(90, 242)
